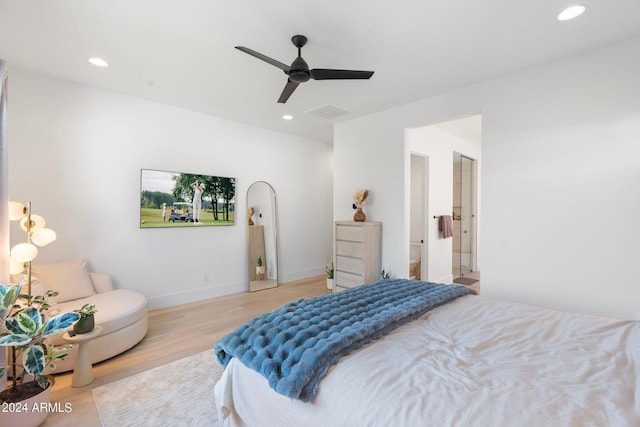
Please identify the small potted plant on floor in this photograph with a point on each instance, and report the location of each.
(330, 272)
(24, 326)
(260, 269)
(87, 320)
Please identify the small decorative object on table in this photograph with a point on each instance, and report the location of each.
(359, 200)
(87, 319)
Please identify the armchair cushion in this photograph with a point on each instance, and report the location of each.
(101, 282)
(70, 279)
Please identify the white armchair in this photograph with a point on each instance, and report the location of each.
(122, 313)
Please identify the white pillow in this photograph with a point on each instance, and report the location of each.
(70, 279)
(37, 288)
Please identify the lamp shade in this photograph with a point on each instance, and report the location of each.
(16, 211)
(24, 252)
(43, 236)
(15, 267)
(37, 222)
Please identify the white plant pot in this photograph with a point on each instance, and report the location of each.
(330, 284)
(23, 413)
(260, 269)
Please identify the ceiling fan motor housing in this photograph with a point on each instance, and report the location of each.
(299, 70)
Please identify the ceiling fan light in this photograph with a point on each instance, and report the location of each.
(24, 252)
(16, 211)
(571, 12)
(98, 62)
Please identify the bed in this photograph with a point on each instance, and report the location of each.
(471, 361)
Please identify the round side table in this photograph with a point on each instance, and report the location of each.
(83, 371)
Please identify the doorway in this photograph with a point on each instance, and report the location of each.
(418, 198)
(429, 185)
(464, 215)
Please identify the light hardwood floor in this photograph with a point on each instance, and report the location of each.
(174, 333)
(474, 275)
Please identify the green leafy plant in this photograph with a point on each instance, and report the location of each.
(24, 328)
(330, 271)
(87, 321)
(260, 261)
(86, 310)
(385, 274)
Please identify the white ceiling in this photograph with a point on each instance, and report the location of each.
(181, 52)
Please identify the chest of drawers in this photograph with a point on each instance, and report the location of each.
(357, 253)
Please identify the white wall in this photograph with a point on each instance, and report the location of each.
(76, 153)
(560, 179)
(368, 160)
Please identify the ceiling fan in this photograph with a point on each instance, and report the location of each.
(299, 71)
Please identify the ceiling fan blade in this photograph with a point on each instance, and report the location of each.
(283, 67)
(287, 91)
(329, 74)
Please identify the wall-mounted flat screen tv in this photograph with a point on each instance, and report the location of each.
(178, 199)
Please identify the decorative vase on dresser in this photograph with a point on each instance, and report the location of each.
(358, 253)
(359, 216)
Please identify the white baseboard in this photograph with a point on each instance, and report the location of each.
(218, 290)
(193, 295)
(301, 274)
(445, 279)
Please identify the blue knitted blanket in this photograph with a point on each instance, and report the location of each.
(294, 346)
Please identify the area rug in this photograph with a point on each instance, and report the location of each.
(465, 281)
(177, 394)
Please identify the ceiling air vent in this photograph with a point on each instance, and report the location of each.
(329, 111)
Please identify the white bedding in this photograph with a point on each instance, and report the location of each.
(476, 361)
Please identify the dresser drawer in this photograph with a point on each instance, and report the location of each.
(346, 232)
(348, 280)
(352, 249)
(356, 253)
(350, 265)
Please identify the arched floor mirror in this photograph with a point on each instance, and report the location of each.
(262, 236)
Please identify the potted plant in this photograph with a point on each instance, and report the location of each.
(24, 327)
(87, 319)
(330, 272)
(260, 268)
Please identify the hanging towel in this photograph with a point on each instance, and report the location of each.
(445, 226)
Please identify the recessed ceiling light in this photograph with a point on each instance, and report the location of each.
(99, 62)
(571, 12)
(287, 117)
